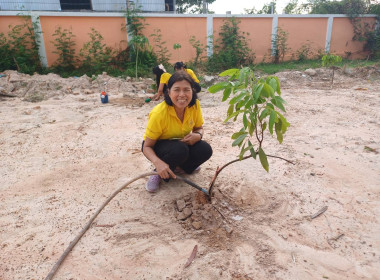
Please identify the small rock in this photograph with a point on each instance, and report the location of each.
(185, 214)
(209, 79)
(197, 225)
(228, 229)
(311, 72)
(348, 71)
(181, 204)
(76, 91)
(88, 91)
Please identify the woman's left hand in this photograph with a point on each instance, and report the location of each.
(191, 138)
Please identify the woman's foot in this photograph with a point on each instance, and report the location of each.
(179, 170)
(153, 183)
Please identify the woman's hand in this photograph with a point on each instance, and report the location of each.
(164, 170)
(191, 138)
(156, 96)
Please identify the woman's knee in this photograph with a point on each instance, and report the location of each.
(180, 150)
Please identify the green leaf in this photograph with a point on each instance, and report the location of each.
(249, 103)
(229, 72)
(239, 140)
(264, 113)
(273, 83)
(267, 91)
(278, 104)
(252, 151)
(257, 92)
(264, 126)
(242, 102)
(275, 79)
(218, 87)
(284, 123)
(237, 134)
(230, 110)
(245, 121)
(245, 149)
(272, 119)
(263, 159)
(278, 130)
(226, 93)
(234, 114)
(238, 97)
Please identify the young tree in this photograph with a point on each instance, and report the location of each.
(191, 6)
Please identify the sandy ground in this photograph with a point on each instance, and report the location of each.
(63, 156)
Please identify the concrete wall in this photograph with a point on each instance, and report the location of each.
(319, 32)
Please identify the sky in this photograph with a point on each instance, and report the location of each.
(237, 6)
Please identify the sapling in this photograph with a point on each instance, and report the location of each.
(258, 104)
(330, 60)
(177, 46)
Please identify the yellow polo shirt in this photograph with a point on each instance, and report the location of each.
(166, 76)
(163, 122)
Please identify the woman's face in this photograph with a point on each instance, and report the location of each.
(181, 94)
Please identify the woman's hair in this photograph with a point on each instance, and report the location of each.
(177, 77)
(179, 65)
(158, 71)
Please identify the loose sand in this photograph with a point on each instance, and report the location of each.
(63, 156)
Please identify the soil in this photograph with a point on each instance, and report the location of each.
(63, 152)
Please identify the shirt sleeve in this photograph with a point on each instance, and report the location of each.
(192, 74)
(199, 120)
(154, 128)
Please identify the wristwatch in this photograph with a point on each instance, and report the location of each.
(199, 134)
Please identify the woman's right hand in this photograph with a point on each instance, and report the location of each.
(163, 169)
(156, 97)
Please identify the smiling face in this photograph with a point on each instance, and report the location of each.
(181, 94)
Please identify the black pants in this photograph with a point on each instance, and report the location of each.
(176, 153)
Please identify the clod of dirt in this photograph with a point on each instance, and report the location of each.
(186, 213)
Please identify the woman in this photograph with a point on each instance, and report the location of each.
(173, 137)
(162, 78)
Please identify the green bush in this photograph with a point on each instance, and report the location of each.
(231, 49)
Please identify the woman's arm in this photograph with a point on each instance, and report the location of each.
(160, 92)
(193, 137)
(162, 167)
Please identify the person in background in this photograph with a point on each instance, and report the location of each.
(173, 136)
(180, 66)
(162, 78)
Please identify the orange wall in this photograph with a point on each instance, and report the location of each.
(258, 32)
(178, 30)
(310, 32)
(5, 21)
(342, 42)
(109, 27)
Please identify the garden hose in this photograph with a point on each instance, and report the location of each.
(87, 226)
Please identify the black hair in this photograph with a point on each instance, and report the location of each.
(158, 72)
(179, 65)
(177, 77)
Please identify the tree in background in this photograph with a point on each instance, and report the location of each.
(268, 8)
(292, 8)
(191, 6)
(231, 48)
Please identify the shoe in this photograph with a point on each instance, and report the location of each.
(153, 183)
(179, 170)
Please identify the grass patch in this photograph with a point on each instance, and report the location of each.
(271, 68)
